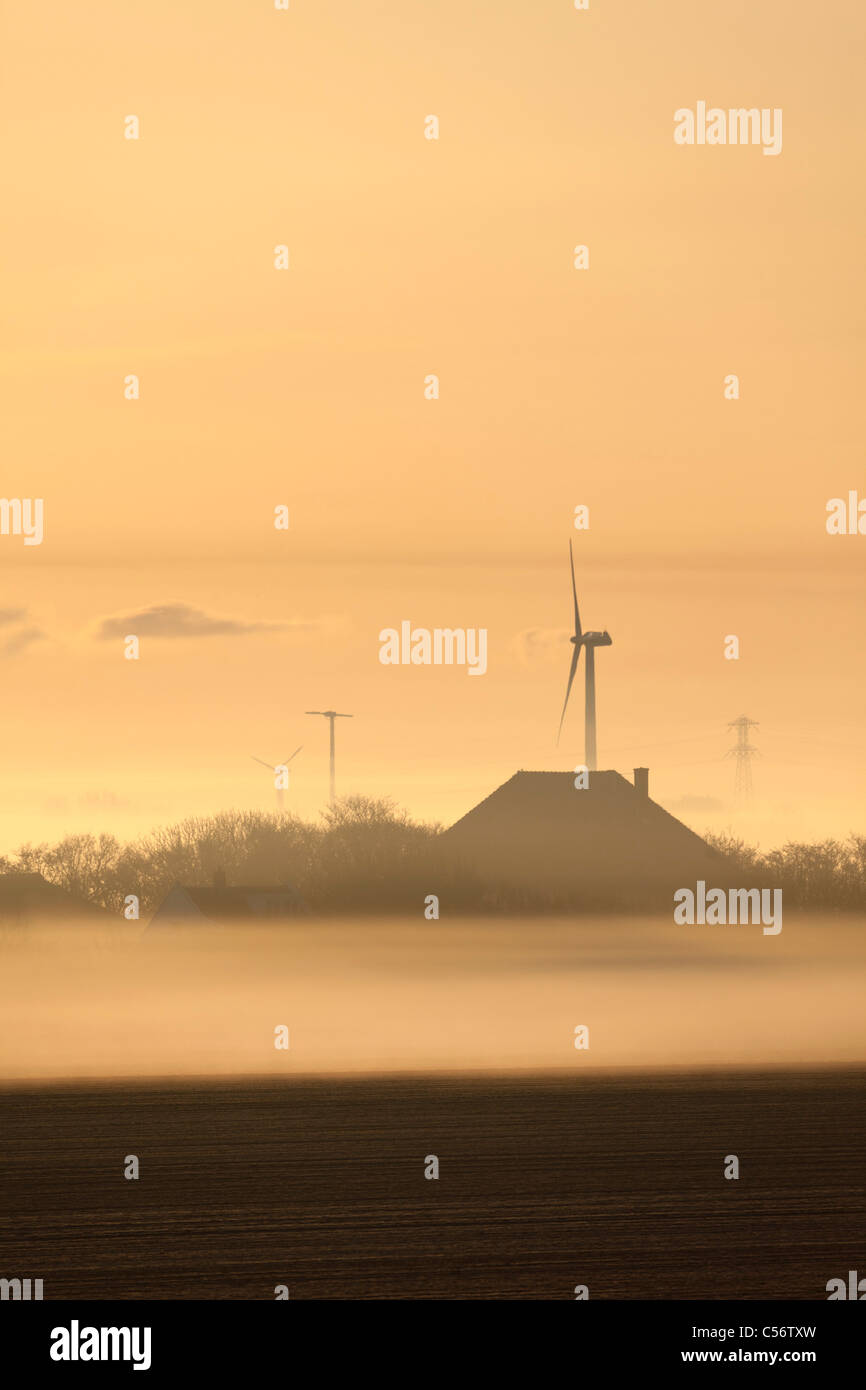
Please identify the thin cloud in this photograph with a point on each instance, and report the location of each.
(11, 615)
(181, 620)
(20, 641)
(108, 801)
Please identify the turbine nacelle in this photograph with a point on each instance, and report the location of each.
(593, 639)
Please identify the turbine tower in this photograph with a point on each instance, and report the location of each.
(276, 770)
(589, 640)
(743, 751)
(331, 714)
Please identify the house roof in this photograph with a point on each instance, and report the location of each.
(610, 797)
(237, 901)
(27, 895)
(538, 827)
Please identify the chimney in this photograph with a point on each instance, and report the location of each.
(219, 878)
(641, 781)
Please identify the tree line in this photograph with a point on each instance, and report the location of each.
(364, 854)
(828, 873)
(367, 855)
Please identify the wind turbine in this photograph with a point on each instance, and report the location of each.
(331, 714)
(590, 640)
(276, 770)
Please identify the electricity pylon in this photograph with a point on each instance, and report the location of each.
(743, 751)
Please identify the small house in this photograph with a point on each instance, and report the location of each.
(30, 899)
(189, 905)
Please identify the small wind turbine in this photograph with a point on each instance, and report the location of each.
(280, 771)
(590, 640)
(331, 714)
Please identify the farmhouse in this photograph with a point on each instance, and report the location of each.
(192, 905)
(606, 845)
(26, 899)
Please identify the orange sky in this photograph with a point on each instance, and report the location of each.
(558, 387)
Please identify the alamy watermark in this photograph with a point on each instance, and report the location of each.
(738, 125)
(22, 516)
(76, 1343)
(855, 1289)
(441, 646)
(846, 517)
(21, 1290)
(736, 906)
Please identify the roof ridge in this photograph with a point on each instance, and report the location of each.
(532, 772)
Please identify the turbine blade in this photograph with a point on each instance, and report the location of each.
(262, 761)
(577, 628)
(574, 660)
(286, 761)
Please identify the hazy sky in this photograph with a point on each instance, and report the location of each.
(559, 387)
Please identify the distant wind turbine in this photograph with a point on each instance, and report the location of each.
(590, 640)
(277, 770)
(331, 714)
